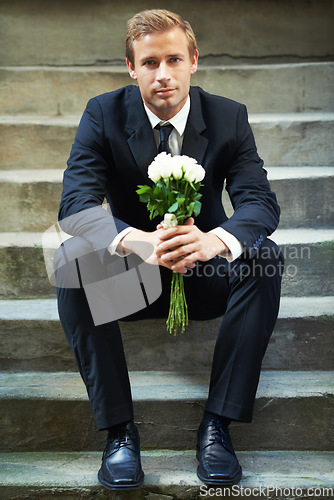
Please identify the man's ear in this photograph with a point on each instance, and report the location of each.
(194, 63)
(131, 69)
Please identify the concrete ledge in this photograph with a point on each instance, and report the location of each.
(162, 385)
(168, 408)
(303, 262)
(55, 176)
(225, 31)
(285, 139)
(168, 475)
(41, 345)
(293, 139)
(29, 199)
(302, 236)
(304, 194)
(46, 309)
(295, 87)
(32, 339)
(307, 252)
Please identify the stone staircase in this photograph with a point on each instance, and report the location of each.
(277, 57)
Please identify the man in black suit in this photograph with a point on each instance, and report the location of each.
(115, 142)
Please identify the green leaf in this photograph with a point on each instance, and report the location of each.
(143, 189)
(174, 207)
(197, 207)
(190, 208)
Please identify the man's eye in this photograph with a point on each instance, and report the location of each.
(149, 63)
(175, 59)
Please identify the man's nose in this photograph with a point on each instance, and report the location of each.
(162, 74)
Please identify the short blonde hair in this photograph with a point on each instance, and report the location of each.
(149, 21)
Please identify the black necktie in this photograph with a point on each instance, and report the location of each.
(165, 131)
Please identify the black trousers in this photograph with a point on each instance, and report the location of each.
(246, 292)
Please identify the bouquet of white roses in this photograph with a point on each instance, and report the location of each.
(174, 195)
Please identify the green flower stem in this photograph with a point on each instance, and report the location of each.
(178, 310)
(160, 199)
(185, 190)
(166, 190)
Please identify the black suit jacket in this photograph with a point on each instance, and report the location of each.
(115, 144)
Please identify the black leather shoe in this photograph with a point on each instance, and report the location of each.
(218, 464)
(121, 466)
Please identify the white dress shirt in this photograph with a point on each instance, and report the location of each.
(179, 122)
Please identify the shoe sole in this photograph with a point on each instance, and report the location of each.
(219, 482)
(222, 482)
(112, 486)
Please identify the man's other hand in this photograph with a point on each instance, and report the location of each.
(182, 246)
(177, 248)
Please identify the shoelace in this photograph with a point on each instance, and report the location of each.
(120, 438)
(217, 435)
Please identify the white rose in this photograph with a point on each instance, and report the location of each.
(177, 170)
(192, 171)
(164, 166)
(153, 172)
(165, 162)
(200, 173)
(161, 167)
(188, 162)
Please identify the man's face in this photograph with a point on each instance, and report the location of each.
(163, 67)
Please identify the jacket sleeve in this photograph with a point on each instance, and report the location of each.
(84, 183)
(256, 211)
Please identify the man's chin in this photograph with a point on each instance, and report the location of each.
(166, 106)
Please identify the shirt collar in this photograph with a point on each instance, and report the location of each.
(178, 121)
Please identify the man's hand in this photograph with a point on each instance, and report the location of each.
(176, 248)
(182, 246)
(144, 244)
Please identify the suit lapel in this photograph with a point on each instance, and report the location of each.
(194, 143)
(141, 139)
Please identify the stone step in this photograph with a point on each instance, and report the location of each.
(168, 475)
(37, 196)
(283, 139)
(38, 34)
(29, 199)
(46, 90)
(168, 408)
(308, 263)
(294, 139)
(304, 194)
(32, 339)
(308, 255)
(48, 140)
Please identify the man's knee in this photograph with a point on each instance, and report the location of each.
(65, 262)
